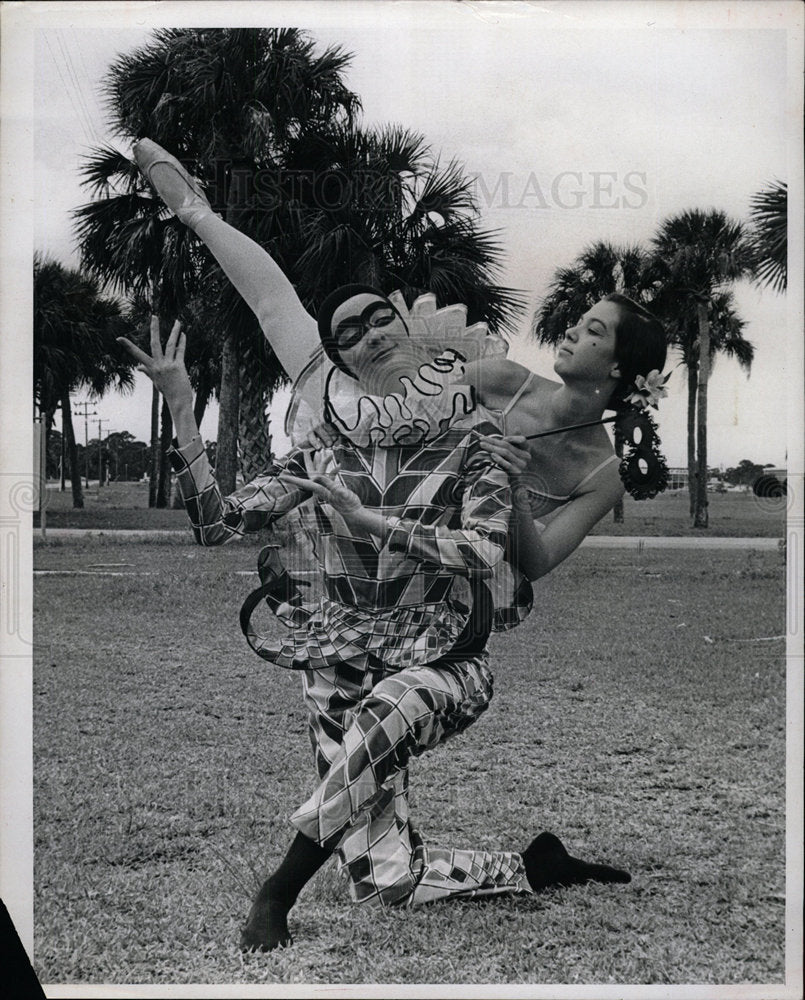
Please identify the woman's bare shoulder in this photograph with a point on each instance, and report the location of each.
(495, 376)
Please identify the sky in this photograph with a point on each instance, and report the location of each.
(577, 126)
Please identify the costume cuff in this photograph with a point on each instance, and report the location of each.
(181, 457)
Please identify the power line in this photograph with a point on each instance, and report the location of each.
(86, 439)
(68, 63)
(78, 88)
(85, 124)
(90, 88)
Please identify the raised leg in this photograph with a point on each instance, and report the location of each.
(287, 325)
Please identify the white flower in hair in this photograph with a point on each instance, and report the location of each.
(648, 390)
(428, 401)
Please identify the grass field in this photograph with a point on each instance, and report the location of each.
(125, 505)
(639, 713)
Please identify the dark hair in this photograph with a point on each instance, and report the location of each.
(324, 319)
(640, 345)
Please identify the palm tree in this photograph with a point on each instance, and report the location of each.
(229, 102)
(726, 337)
(74, 347)
(599, 270)
(768, 216)
(696, 255)
(259, 111)
(382, 210)
(270, 125)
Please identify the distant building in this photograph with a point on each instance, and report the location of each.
(677, 478)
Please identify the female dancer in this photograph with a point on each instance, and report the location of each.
(610, 359)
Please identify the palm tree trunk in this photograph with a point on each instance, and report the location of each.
(226, 464)
(153, 471)
(255, 442)
(693, 381)
(63, 462)
(72, 450)
(202, 399)
(228, 408)
(48, 418)
(164, 486)
(700, 519)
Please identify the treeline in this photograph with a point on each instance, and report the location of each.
(118, 457)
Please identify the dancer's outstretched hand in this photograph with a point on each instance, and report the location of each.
(509, 453)
(329, 490)
(165, 368)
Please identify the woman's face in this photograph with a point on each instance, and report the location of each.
(587, 352)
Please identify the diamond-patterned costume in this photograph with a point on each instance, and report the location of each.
(366, 724)
(380, 682)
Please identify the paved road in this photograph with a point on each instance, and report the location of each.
(592, 541)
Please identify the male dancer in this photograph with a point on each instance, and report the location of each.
(391, 663)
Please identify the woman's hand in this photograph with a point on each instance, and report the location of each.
(508, 453)
(165, 368)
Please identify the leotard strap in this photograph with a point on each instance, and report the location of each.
(596, 470)
(564, 499)
(526, 383)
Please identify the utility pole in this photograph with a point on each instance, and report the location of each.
(62, 480)
(111, 430)
(100, 424)
(85, 414)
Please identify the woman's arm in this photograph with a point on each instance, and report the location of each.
(535, 552)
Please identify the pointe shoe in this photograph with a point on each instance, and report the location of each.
(181, 193)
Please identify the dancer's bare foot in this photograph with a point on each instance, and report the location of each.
(266, 926)
(548, 864)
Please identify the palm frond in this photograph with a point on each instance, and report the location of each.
(447, 192)
(599, 269)
(107, 171)
(700, 250)
(769, 235)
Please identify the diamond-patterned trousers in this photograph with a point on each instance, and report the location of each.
(366, 723)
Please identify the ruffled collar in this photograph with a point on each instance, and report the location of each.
(428, 403)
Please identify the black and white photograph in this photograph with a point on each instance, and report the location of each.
(402, 498)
